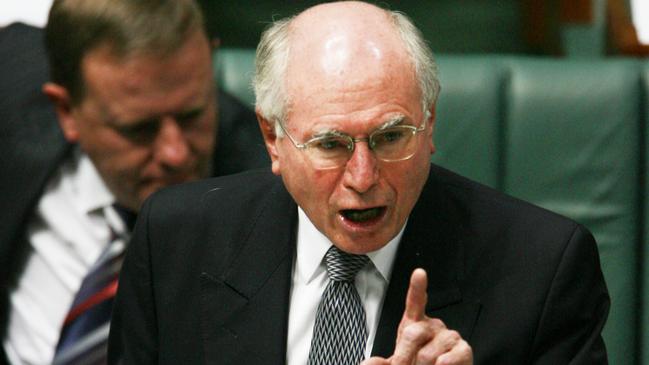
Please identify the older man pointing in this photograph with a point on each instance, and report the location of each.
(355, 248)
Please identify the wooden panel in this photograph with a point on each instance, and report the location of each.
(576, 11)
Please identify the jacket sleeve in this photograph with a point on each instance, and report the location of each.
(576, 308)
(133, 331)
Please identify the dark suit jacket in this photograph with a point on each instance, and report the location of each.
(32, 146)
(208, 274)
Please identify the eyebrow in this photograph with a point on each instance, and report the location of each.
(391, 122)
(396, 120)
(191, 113)
(187, 114)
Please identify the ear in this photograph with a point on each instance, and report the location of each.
(60, 97)
(270, 140)
(431, 128)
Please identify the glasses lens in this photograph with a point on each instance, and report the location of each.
(329, 151)
(395, 143)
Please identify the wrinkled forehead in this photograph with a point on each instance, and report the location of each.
(351, 61)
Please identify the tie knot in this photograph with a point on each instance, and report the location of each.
(343, 266)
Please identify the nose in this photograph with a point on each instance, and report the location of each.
(361, 171)
(171, 147)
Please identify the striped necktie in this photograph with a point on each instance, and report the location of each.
(340, 331)
(84, 335)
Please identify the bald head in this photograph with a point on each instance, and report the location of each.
(342, 43)
(339, 36)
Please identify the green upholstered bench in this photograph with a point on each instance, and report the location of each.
(568, 135)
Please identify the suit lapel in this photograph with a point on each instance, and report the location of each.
(34, 148)
(245, 310)
(431, 242)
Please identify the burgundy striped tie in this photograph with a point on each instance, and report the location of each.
(84, 336)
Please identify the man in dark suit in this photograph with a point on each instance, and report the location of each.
(138, 130)
(357, 247)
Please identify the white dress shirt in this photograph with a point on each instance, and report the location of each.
(310, 279)
(70, 228)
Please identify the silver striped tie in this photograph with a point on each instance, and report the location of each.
(340, 332)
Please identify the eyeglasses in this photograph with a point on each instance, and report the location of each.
(333, 149)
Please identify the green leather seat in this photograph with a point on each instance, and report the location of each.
(644, 308)
(572, 146)
(469, 117)
(233, 70)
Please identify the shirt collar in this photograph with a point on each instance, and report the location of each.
(92, 191)
(312, 246)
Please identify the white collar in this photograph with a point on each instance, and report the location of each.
(92, 192)
(88, 191)
(312, 246)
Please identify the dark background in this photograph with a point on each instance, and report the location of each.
(450, 26)
(581, 28)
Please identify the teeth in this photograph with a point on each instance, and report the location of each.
(361, 215)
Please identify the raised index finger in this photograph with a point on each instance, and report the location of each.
(416, 297)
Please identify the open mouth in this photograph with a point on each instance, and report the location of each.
(363, 215)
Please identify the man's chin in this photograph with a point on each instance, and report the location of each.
(159, 183)
(145, 192)
(152, 186)
(361, 243)
(148, 186)
(361, 231)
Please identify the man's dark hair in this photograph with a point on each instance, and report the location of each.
(128, 27)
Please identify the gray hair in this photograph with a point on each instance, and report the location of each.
(272, 59)
(421, 56)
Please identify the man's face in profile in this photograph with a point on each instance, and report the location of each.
(145, 121)
(363, 204)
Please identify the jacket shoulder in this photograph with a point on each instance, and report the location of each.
(475, 198)
(221, 196)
